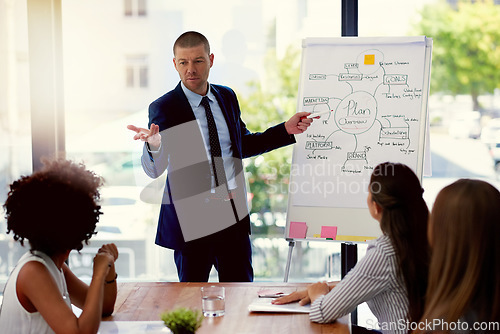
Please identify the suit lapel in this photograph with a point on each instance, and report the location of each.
(229, 117)
(181, 112)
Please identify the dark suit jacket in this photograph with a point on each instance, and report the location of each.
(184, 155)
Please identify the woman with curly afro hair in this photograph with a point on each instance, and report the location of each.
(55, 210)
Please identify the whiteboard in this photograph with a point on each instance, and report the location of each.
(370, 95)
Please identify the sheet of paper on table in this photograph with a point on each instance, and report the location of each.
(264, 305)
(133, 327)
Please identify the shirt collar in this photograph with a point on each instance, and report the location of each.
(195, 99)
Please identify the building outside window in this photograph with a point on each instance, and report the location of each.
(134, 7)
(137, 71)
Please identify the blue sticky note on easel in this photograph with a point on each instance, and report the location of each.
(298, 230)
(329, 232)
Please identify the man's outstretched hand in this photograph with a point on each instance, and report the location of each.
(151, 136)
(298, 123)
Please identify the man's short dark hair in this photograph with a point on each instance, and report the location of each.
(191, 39)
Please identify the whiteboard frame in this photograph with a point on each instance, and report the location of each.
(356, 223)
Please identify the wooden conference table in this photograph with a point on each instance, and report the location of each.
(145, 301)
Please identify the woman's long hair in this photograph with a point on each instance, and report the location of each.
(397, 190)
(464, 274)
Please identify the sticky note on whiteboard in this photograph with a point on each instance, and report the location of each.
(329, 232)
(298, 230)
(369, 59)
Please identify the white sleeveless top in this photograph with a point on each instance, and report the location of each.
(13, 316)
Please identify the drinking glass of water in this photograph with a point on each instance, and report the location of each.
(213, 301)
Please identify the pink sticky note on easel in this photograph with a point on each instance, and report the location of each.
(329, 232)
(298, 230)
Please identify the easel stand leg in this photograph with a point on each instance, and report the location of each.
(289, 260)
(349, 257)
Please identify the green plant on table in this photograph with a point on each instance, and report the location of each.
(182, 320)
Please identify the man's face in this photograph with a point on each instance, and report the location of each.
(193, 65)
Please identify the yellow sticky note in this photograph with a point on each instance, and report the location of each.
(369, 59)
(317, 235)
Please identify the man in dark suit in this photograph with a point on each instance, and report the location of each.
(196, 134)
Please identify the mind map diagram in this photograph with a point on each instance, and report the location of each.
(369, 112)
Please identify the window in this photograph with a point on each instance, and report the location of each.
(127, 7)
(134, 7)
(123, 59)
(15, 120)
(136, 71)
(141, 7)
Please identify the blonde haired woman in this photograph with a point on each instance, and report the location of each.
(463, 294)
